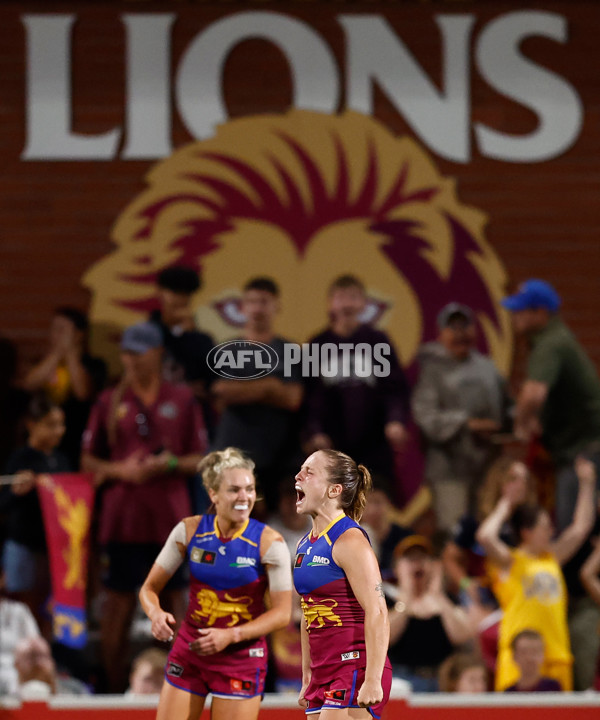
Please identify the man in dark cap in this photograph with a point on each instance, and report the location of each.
(185, 347)
(459, 403)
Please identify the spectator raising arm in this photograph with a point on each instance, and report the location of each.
(590, 574)
(488, 534)
(574, 535)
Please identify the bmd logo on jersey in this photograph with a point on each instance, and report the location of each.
(242, 360)
(318, 560)
(242, 561)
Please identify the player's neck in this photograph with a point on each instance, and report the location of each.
(228, 529)
(324, 518)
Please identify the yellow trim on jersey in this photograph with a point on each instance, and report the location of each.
(328, 528)
(236, 534)
(250, 542)
(212, 532)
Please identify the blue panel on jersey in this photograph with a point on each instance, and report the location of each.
(230, 564)
(314, 565)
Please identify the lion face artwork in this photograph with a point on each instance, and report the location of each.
(304, 197)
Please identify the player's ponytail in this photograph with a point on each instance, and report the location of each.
(355, 480)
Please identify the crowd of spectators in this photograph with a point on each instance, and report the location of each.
(487, 596)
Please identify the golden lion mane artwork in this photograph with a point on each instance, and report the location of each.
(304, 197)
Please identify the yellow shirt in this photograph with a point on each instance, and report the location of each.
(534, 597)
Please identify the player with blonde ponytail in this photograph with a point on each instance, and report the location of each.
(220, 647)
(345, 670)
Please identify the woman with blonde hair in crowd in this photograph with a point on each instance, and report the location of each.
(220, 647)
(530, 586)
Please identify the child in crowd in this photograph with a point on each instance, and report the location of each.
(25, 559)
(463, 672)
(147, 672)
(528, 651)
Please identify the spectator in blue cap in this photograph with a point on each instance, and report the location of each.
(559, 401)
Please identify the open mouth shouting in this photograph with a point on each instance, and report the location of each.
(299, 495)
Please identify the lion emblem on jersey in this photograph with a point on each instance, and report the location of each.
(212, 608)
(304, 197)
(320, 614)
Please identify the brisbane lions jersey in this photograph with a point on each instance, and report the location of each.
(334, 618)
(228, 581)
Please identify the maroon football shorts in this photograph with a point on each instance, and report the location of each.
(342, 692)
(240, 674)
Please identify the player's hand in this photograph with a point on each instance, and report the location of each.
(163, 624)
(212, 640)
(370, 693)
(301, 701)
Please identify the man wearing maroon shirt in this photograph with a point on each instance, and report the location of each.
(143, 439)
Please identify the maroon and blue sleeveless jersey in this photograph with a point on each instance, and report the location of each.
(334, 618)
(227, 578)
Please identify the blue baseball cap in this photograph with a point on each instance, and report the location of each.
(533, 294)
(141, 337)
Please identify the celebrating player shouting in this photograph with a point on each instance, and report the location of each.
(346, 673)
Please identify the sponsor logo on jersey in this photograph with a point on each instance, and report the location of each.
(257, 652)
(351, 655)
(222, 550)
(174, 669)
(241, 686)
(335, 695)
(206, 557)
(318, 560)
(242, 561)
(299, 559)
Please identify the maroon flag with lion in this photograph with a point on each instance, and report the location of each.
(67, 501)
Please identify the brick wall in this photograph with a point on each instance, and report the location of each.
(55, 217)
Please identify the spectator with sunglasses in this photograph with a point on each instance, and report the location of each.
(144, 439)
